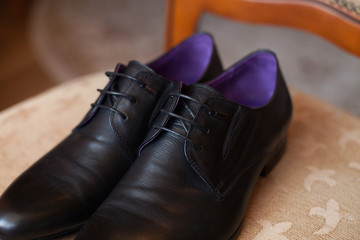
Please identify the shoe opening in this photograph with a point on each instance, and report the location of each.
(187, 61)
(251, 82)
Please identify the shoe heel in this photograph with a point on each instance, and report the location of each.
(274, 157)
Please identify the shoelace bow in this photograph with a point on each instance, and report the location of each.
(190, 121)
(119, 94)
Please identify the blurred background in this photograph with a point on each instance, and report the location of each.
(44, 43)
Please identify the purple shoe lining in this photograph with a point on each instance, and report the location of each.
(251, 82)
(186, 62)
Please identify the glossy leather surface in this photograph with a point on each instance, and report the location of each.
(196, 184)
(61, 190)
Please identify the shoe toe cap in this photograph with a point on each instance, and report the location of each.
(12, 225)
(33, 215)
(17, 223)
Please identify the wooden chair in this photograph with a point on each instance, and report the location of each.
(313, 193)
(336, 20)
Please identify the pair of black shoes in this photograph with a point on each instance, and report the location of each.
(159, 156)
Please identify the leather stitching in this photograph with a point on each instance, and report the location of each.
(233, 128)
(191, 158)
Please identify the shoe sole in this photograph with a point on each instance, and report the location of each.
(61, 234)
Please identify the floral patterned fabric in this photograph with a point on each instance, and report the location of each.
(313, 193)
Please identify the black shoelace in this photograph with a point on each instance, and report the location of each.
(190, 121)
(119, 94)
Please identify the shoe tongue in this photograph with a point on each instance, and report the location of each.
(134, 67)
(136, 70)
(188, 109)
(201, 92)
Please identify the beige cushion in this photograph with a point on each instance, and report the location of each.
(313, 193)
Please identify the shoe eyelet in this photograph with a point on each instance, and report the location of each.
(207, 131)
(212, 113)
(218, 115)
(125, 117)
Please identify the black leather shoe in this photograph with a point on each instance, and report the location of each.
(199, 163)
(60, 191)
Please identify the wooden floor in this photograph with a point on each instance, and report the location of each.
(20, 74)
